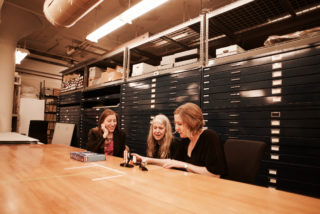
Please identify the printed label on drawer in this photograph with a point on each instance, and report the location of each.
(206, 102)
(152, 106)
(153, 95)
(205, 114)
(274, 157)
(277, 74)
(207, 75)
(154, 80)
(153, 85)
(205, 89)
(272, 171)
(276, 82)
(273, 180)
(206, 82)
(276, 57)
(275, 148)
(153, 90)
(276, 99)
(206, 95)
(275, 140)
(276, 91)
(275, 122)
(275, 131)
(152, 101)
(277, 65)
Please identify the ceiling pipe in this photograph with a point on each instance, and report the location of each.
(65, 13)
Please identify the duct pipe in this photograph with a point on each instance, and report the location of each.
(65, 13)
(16, 24)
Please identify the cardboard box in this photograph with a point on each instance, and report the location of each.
(142, 68)
(95, 72)
(229, 50)
(119, 69)
(109, 76)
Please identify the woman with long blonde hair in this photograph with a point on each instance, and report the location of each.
(159, 143)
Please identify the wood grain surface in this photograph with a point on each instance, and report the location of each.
(43, 179)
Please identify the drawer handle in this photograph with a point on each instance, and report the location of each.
(235, 101)
(234, 122)
(235, 72)
(275, 114)
(235, 79)
(233, 115)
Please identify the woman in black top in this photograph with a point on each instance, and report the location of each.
(107, 138)
(160, 139)
(200, 151)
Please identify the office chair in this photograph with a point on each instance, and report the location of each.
(38, 129)
(243, 159)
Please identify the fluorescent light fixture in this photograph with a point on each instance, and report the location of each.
(21, 54)
(124, 18)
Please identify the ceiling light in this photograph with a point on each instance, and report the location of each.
(124, 18)
(21, 54)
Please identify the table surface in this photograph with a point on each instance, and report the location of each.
(43, 179)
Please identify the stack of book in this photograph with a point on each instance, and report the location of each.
(87, 156)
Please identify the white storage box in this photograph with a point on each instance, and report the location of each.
(185, 62)
(167, 60)
(166, 66)
(142, 68)
(186, 53)
(229, 50)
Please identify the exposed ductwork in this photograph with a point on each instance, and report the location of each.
(65, 13)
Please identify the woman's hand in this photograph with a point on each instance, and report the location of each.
(105, 131)
(140, 158)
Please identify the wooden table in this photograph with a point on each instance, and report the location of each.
(43, 179)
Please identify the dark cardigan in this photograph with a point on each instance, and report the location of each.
(96, 142)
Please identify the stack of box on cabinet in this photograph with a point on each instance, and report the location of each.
(99, 76)
(167, 62)
(71, 82)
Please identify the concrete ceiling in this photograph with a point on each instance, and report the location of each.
(63, 47)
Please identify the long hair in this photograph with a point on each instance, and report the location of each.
(191, 115)
(103, 116)
(164, 149)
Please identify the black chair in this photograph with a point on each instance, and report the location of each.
(38, 129)
(243, 159)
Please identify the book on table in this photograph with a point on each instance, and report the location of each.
(87, 156)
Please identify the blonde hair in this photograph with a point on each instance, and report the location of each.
(191, 115)
(164, 149)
